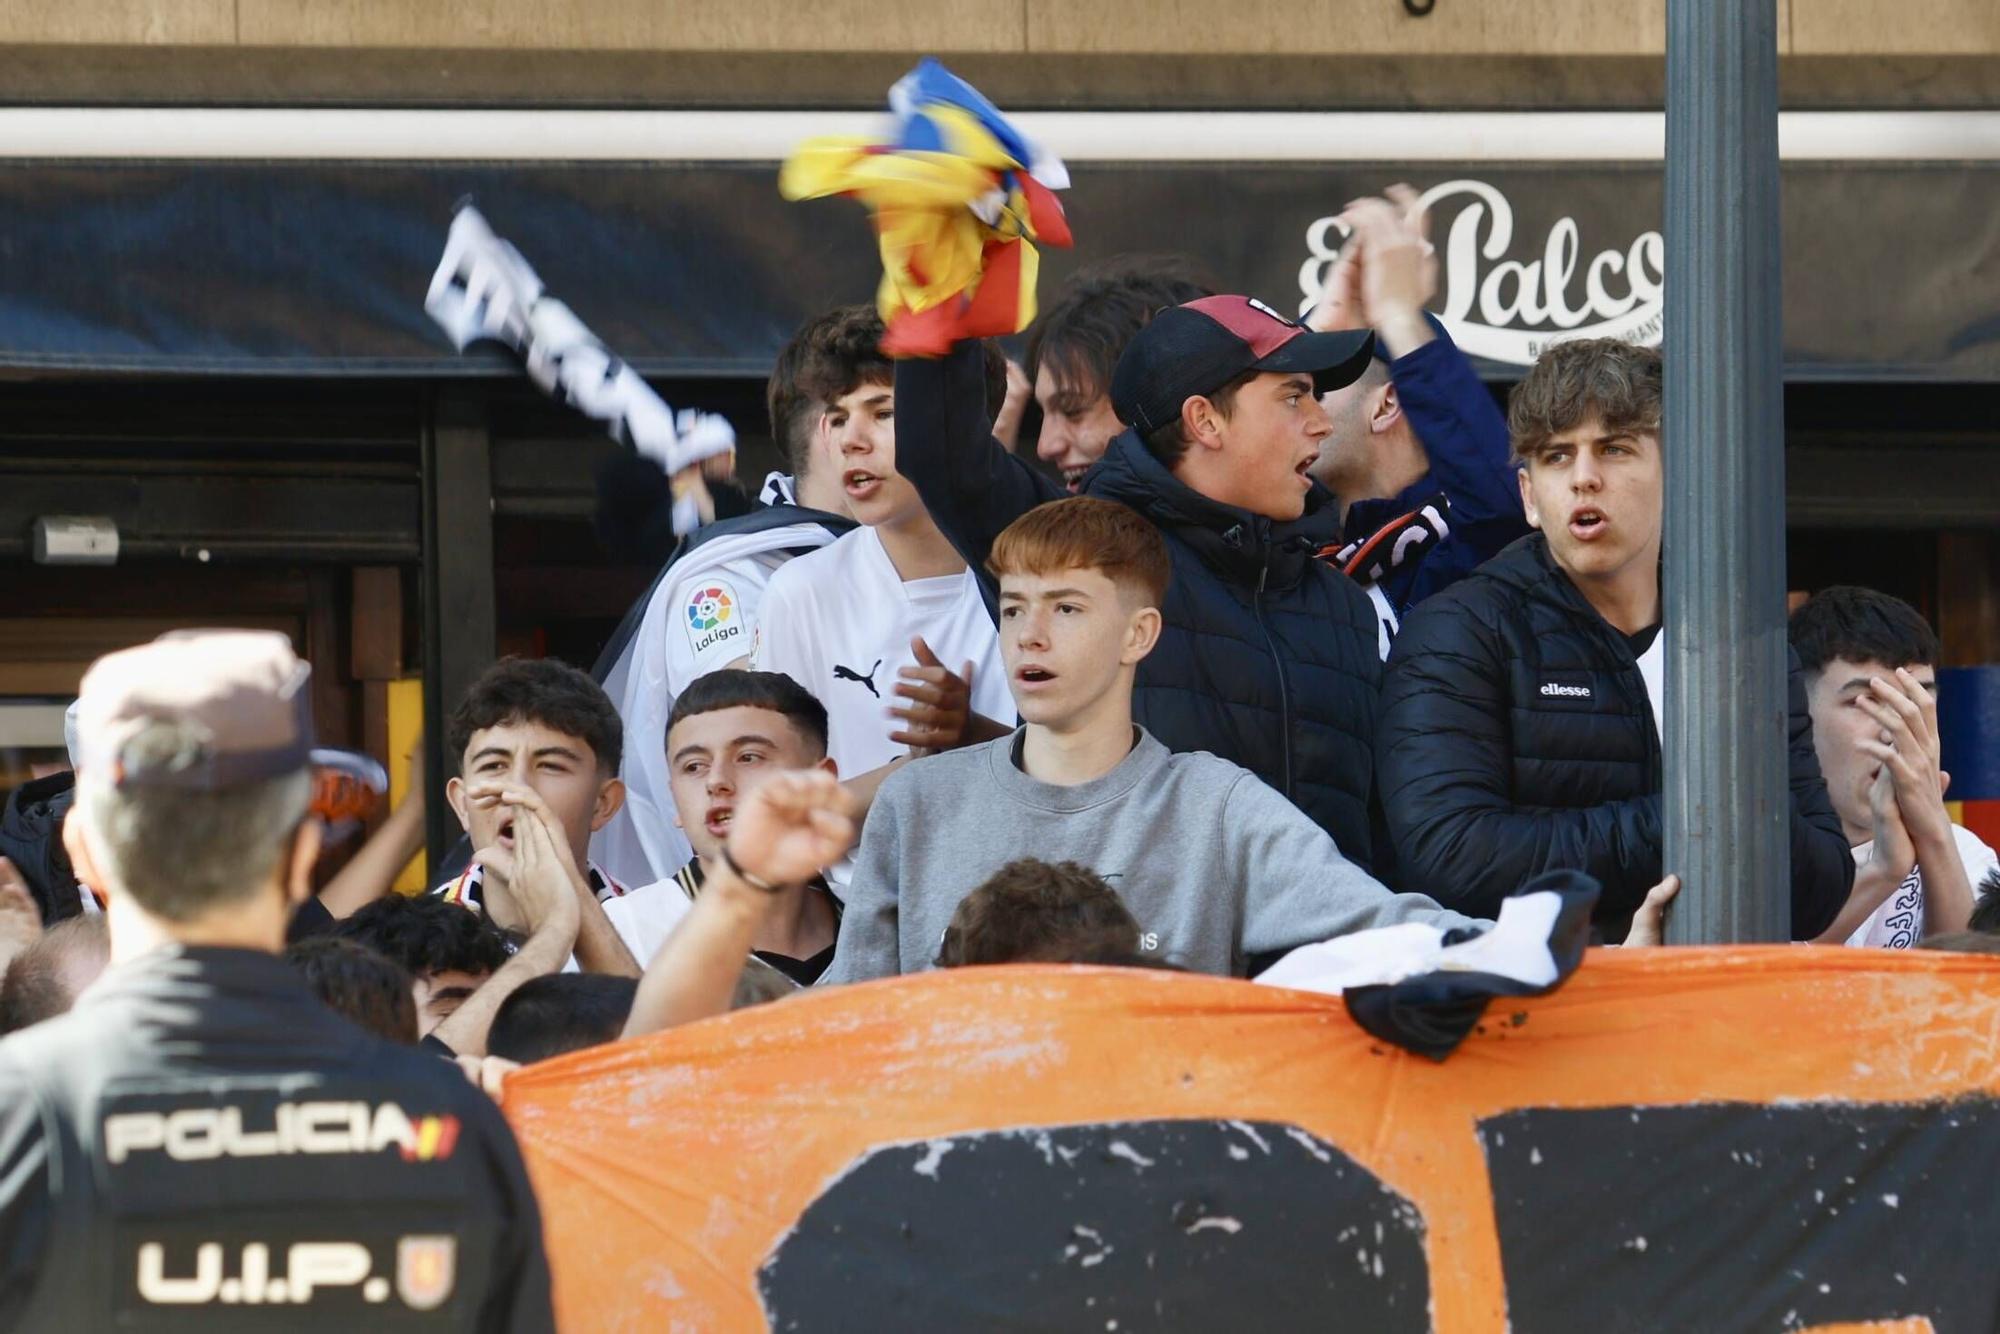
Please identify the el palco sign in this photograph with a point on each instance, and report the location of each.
(1506, 308)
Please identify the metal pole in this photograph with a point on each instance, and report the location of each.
(1727, 804)
(459, 623)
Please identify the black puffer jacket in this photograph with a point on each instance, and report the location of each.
(1516, 737)
(31, 838)
(1269, 658)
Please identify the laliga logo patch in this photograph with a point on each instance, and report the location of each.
(709, 608)
(711, 617)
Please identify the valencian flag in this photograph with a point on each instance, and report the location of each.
(1746, 1139)
(959, 198)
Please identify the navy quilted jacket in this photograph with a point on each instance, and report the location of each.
(1268, 657)
(1517, 737)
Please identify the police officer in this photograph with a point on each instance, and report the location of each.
(199, 1144)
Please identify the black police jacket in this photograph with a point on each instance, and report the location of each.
(1517, 737)
(201, 1145)
(1268, 657)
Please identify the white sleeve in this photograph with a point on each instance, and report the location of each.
(694, 623)
(645, 917)
(639, 844)
(711, 623)
(1979, 859)
(785, 641)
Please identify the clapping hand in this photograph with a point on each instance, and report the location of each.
(1386, 274)
(1340, 303)
(940, 703)
(1894, 852)
(1399, 266)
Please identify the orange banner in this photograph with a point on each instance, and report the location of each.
(1757, 1138)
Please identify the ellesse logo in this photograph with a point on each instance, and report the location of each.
(1557, 690)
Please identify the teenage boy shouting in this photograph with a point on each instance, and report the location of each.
(701, 612)
(730, 731)
(841, 620)
(537, 739)
(1268, 657)
(1520, 715)
(1217, 867)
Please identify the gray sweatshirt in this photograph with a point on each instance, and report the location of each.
(1215, 865)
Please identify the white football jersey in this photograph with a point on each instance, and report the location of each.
(839, 621)
(702, 616)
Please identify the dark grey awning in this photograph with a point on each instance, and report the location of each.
(319, 268)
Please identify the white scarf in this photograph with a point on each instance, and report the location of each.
(483, 288)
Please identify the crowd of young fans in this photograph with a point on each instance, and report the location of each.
(1287, 633)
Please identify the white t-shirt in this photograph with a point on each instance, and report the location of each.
(1653, 670)
(700, 618)
(645, 917)
(839, 622)
(1898, 923)
(466, 891)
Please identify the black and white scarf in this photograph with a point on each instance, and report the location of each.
(1402, 540)
(484, 289)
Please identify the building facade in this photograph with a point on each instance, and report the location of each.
(219, 218)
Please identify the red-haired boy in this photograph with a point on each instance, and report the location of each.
(1218, 868)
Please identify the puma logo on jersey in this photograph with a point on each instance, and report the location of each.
(841, 673)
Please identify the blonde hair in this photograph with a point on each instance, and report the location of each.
(180, 853)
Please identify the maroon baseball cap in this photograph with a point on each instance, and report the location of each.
(1199, 347)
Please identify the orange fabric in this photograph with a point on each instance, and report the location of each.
(669, 1167)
